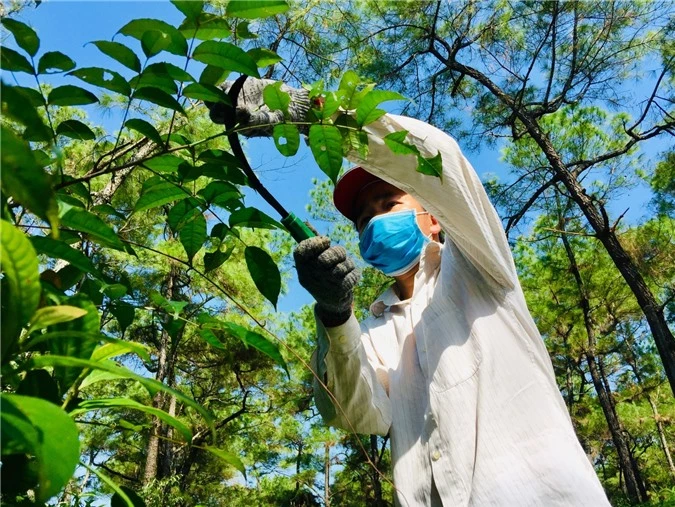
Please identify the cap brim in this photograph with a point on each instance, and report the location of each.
(347, 189)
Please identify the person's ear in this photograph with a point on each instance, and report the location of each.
(435, 226)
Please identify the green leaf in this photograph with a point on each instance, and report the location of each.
(111, 367)
(69, 95)
(212, 75)
(257, 341)
(219, 157)
(397, 143)
(367, 111)
(275, 98)
(220, 231)
(158, 192)
(41, 384)
(153, 79)
(353, 89)
(103, 78)
(244, 32)
(115, 348)
(24, 180)
(206, 92)
(20, 285)
(50, 315)
(193, 235)
(54, 62)
(254, 9)
(165, 163)
(99, 376)
(210, 337)
(154, 42)
(190, 8)
(120, 53)
(230, 174)
(144, 128)
(354, 139)
(331, 104)
(68, 276)
(126, 497)
(106, 210)
(75, 129)
(226, 56)
(80, 343)
(221, 165)
(286, 139)
(253, 217)
(101, 403)
(348, 83)
(325, 142)
(138, 27)
(24, 35)
(168, 70)
(12, 61)
(227, 457)
(124, 313)
(182, 212)
(206, 27)
(123, 496)
(33, 97)
(114, 290)
(159, 97)
(95, 228)
(21, 104)
(54, 440)
(213, 260)
(60, 250)
(219, 192)
(432, 166)
(264, 57)
(264, 272)
(172, 308)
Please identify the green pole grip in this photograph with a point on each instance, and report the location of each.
(297, 227)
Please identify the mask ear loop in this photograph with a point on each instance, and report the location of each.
(428, 236)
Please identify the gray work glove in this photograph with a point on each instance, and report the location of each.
(252, 111)
(329, 275)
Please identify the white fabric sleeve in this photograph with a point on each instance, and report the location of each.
(457, 199)
(347, 364)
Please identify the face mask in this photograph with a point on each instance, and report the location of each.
(393, 242)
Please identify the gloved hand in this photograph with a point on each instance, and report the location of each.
(252, 111)
(329, 275)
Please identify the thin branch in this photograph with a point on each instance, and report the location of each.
(514, 219)
(115, 472)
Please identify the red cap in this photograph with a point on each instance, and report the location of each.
(347, 189)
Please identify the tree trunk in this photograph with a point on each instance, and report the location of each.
(634, 485)
(662, 436)
(663, 337)
(627, 463)
(152, 469)
(633, 362)
(377, 483)
(155, 462)
(166, 455)
(326, 475)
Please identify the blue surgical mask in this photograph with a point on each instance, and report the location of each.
(393, 242)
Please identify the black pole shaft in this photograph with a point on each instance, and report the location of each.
(233, 137)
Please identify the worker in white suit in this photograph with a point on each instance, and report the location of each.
(449, 363)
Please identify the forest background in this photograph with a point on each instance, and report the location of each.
(150, 356)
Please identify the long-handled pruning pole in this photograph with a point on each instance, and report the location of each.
(296, 227)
